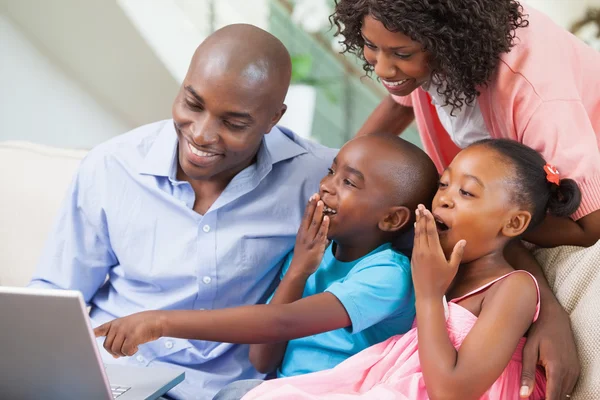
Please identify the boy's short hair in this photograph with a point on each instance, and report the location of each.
(413, 177)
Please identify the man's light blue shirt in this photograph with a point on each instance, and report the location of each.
(126, 216)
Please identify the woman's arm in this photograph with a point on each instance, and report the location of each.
(389, 117)
(550, 340)
(264, 323)
(467, 373)
(556, 231)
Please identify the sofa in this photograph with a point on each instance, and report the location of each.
(34, 178)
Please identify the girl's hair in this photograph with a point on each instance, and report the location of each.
(465, 38)
(531, 186)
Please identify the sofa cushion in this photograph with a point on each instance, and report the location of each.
(574, 275)
(34, 179)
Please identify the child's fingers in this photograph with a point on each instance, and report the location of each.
(129, 347)
(102, 330)
(317, 218)
(432, 234)
(117, 345)
(108, 341)
(416, 242)
(421, 228)
(457, 254)
(309, 211)
(322, 234)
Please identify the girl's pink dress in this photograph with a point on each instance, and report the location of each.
(391, 369)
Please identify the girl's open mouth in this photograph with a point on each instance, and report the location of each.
(441, 226)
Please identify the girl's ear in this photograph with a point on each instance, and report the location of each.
(395, 219)
(517, 224)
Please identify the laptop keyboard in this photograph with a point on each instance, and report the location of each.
(118, 390)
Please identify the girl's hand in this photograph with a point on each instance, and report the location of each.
(311, 241)
(432, 273)
(124, 335)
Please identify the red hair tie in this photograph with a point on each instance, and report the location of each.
(552, 174)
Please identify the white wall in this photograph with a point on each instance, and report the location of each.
(563, 12)
(40, 102)
(175, 28)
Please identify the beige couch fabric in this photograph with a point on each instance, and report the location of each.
(574, 275)
(33, 181)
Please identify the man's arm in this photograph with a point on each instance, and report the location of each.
(550, 340)
(556, 231)
(389, 117)
(77, 254)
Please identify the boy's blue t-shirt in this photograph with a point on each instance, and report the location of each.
(378, 295)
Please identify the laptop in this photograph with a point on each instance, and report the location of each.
(48, 350)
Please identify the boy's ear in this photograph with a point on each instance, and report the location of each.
(277, 117)
(395, 219)
(517, 224)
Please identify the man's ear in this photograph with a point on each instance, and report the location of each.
(517, 224)
(277, 117)
(395, 219)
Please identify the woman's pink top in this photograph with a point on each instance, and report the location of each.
(545, 94)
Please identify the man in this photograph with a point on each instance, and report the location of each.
(197, 212)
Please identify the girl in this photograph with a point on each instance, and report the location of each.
(469, 347)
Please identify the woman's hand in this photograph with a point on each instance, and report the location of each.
(124, 335)
(550, 341)
(432, 273)
(311, 241)
(550, 344)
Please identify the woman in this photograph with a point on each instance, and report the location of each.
(472, 69)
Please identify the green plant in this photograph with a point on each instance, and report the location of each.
(302, 65)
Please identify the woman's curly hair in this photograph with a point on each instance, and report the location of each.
(465, 38)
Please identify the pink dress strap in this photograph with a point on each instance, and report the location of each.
(489, 284)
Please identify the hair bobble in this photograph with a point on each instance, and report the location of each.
(552, 174)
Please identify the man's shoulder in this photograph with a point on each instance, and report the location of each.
(128, 148)
(139, 139)
(300, 150)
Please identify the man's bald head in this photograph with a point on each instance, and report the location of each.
(247, 57)
(231, 97)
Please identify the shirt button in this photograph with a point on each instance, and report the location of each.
(140, 358)
(169, 344)
(206, 228)
(206, 279)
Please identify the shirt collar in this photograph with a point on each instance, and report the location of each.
(161, 160)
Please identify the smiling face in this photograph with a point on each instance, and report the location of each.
(232, 95)
(357, 193)
(474, 203)
(398, 61)
(220, 123)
